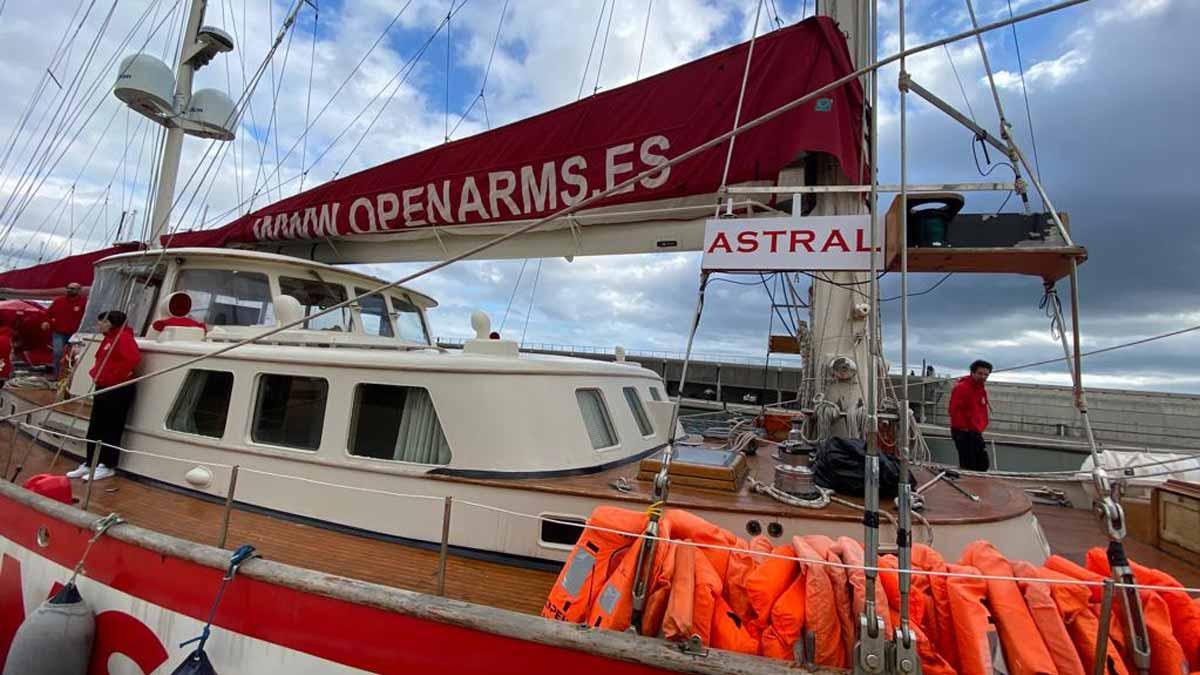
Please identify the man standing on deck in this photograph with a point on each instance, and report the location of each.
(969, 417)
(63, 318)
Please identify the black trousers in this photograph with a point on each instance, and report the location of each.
(107, 424)
(972, 455)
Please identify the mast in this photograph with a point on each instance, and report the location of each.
(173, 146)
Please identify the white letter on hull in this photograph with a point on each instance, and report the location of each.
(364, 204)
(412, 208)
(439, 203)
(387, 208)
(470, 201)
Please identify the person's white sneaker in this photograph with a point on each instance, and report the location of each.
(78, 473)
(102, 472)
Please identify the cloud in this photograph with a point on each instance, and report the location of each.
(1044, 75)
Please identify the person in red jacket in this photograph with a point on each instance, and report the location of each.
(116, 359)
(63, 319)
(6, 353)
(969, 417)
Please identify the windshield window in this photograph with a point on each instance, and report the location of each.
(228, 297)
(375, 319)
(315, 295)
(408, 320)
(130, 287)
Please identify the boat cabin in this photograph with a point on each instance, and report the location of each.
(363, 387)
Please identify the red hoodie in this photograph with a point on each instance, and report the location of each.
(65, 313)
(969, 406)
(118, 366)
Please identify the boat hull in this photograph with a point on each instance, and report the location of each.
(150, 593)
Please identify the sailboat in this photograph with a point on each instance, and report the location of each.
(315, 416)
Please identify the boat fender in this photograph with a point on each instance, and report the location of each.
(57, 488)
(56, 639)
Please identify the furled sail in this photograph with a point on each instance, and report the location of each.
(452, 196)
(448, 198)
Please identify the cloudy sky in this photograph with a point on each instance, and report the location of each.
(1113, 98)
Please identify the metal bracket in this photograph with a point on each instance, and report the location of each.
(693, 646)
(903, 654)
(870, 654)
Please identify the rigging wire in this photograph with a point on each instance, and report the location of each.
(312, 59)
(1094, 352)
(588, 64)
(924, 292)
(449, 45)
(532, 295)
(961, 88)
(604, 46)
(778, 20)
(1025, 92)
(486, 73)
(514, 294)
(645, 32)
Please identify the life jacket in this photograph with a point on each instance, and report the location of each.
(1166, 654)
(613, 606)
(741, 564)
(729, 630)
(839, 577)
(1185, 615)
(1040, 602)
(850, 552)
(1083, 624)
(787, 622)
(767, 582)
(692, 614)
(686, 526)
(595, 556)
(939, 619)
(820, 608)
(970, 618)
(1024, 650)
(932, 663)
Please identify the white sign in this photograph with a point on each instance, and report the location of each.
(790, 243)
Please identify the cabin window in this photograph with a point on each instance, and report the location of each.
(655, 394)
(596, 419)
(129, 287)
(290, 411)
(560, 531)
(314, 296)
(202, 403)
(408, 320)
(374, 312)
(397, 423)
(639, 412)
(228, 297)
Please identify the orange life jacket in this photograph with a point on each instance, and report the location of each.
(596, 555)
(787, 622)
(970, 618)
(1024, 650)
(1185, 615)
(1083, 624)
(692, 614)
(839, 577)
(767, 582)
(613, 604)
(1040, 601)
(939, 619)
(820, 608)
(1166, 654)
(851, 553)
(730, 632)
(741, 564)
(932, 663)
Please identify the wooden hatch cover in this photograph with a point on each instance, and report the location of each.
(700, 467)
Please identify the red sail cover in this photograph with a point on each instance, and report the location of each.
(536, 166)
(50, 278)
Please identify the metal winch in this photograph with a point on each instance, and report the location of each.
(795, 450)
(796, 480)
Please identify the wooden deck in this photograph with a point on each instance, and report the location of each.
(1071, 532)
(315, 548)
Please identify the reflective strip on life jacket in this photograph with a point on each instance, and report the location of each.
(595, 556)
(1024, 650)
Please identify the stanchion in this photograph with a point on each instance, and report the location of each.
(233, 475)
(441, 587)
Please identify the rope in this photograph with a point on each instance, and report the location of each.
(821, 501)
(645, 32)
(100, 527)
(604, 46)
(1025, 92)
(737, 114)
(588, 64)
(532, 294)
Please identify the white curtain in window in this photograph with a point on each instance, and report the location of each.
(183, 415)
(595, 418)
(421, 438)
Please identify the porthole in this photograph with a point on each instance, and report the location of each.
(754, 528)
